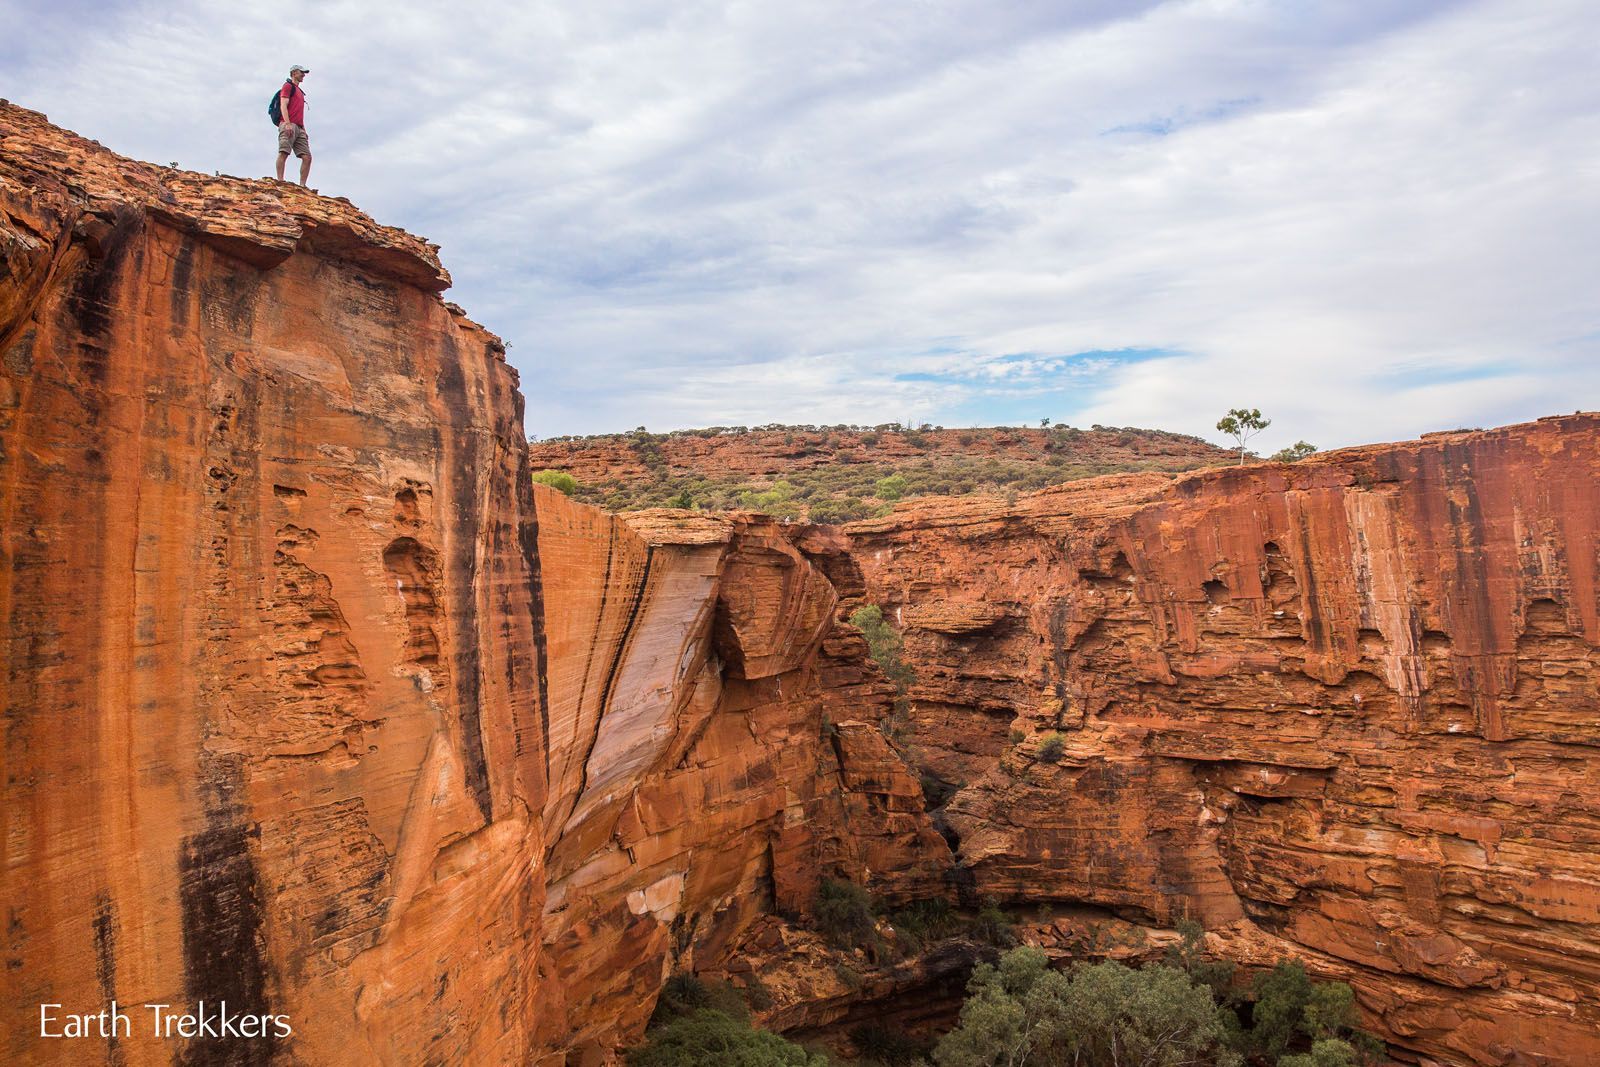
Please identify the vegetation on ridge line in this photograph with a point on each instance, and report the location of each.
(841, 474)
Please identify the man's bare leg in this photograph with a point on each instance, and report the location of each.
(282, 158)
(305, 168)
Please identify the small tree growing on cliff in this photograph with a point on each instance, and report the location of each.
(1241, 424)
(883, 643)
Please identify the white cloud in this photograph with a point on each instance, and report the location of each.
(1367, 223)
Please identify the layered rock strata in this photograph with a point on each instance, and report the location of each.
(314, 704)
(1344, 710)
(714, 750)
(272, 622)
(313, 707)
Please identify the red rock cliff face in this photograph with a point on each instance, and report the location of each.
(1344, 710)
(272, 626)
(694, 791)
(314, 704)
(311, 706)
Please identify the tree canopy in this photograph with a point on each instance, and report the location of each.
(1241, 424)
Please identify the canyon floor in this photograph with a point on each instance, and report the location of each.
(315, 703)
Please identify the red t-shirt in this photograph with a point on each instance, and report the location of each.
(297, 101)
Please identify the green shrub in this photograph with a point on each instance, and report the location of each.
(1187, 956)
(558, 480)
(1051, 749)
(892, 487)
(1329, 1052)
(923, 921)
(844, 916)
(1290, 1009)
(883, 642)
(994, 926)
(1022, 1013)
(708, 1036)
(778, 501)
(839, 509)
(1294, 453)
(891, 1048)
(1331, 1011)
(684, 994)
(1281, 998)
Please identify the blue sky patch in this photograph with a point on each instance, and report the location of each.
(1163, 125)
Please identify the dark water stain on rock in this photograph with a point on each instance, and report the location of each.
(221, 901)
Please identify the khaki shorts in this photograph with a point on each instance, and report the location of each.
(292, 137)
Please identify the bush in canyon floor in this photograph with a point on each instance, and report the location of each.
(1025, 1014)
(684, 994)
(698, 1022)
(994, 926)
(847, 916)
(1188, 956)
(844, 916)
(884, 1047)
(710, 1037)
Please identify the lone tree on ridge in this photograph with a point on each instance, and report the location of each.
(1241, 424)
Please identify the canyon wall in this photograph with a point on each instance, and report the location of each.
(696, 793)
(313, 703)
(1344, 710)
(273, 649)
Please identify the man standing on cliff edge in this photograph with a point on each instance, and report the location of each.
(292, 123)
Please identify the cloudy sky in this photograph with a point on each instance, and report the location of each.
(1369, 218)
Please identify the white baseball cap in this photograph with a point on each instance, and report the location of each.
(298, 69)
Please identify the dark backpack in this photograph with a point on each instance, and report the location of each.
(275, 108)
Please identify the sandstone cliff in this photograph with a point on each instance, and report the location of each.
(273, 641)
(314, 704)
(1343, 710)
(694, 792)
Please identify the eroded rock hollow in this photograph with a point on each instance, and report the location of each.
(315, 704)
